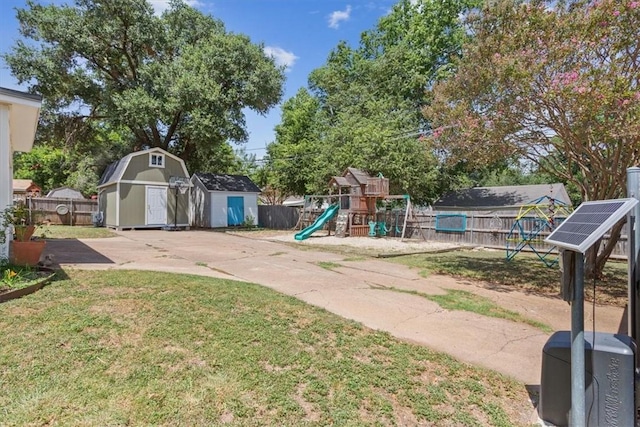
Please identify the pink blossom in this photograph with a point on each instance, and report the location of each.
(566, 78)
(634, 4)
(437, 132)
(581, 89)
(637, 96)
(497, 55)
(616, 13)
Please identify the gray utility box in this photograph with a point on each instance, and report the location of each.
(609, 377)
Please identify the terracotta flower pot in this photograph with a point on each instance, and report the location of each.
(26, 253)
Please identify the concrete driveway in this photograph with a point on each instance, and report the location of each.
(355, 290)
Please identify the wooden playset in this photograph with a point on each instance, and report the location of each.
(364, 205)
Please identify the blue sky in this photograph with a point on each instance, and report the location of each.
(298, 33)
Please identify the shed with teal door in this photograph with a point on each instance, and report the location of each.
(221, 200)
(235, 210)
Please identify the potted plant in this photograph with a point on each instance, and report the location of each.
(22, 223)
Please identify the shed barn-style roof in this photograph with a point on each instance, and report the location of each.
(115, 169)
(224, 182)
(113, 173)
(505, 197)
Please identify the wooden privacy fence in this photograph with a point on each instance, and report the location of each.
(277, 217)
(490, 230)
(64, 211)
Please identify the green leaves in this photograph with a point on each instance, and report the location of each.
(176, 81)
(364, 106)
(553, 83)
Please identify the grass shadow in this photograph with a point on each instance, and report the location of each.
(526, 273)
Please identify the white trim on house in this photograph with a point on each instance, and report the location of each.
(117, 204)
(154, 183)
(156, 160)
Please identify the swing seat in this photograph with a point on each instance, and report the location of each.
(372, 228)
(382, 228)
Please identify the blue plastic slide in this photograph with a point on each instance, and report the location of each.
(318, 223)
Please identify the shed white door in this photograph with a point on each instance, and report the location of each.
(156, 206)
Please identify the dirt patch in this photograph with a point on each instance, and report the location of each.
(311, 414)
(377, 246)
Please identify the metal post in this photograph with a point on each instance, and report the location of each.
(175, 212)
(633, 236)
(406, 216)
(578, 418)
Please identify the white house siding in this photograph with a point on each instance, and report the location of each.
(5, 171)
(19, 112)
(251, 206)
(219, 207)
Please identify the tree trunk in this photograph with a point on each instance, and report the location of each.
(596, 259)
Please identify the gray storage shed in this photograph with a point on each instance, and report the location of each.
(219, 200)
(134, 192)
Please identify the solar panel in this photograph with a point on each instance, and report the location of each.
(589, 223)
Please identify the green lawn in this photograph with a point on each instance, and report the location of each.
(144, 348)
(525, 272)
(75, 232)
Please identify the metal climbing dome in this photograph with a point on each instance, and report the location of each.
(532, 224)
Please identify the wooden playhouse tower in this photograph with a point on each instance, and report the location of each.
(358, 193)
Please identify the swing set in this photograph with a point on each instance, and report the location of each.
(532, 224)
(357, 197)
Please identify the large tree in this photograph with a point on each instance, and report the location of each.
(177, 81)
(555, 83)
(293, 166)
(363, 105)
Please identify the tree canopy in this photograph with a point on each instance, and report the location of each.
(555, 83)
(177, 81)
(362, 108)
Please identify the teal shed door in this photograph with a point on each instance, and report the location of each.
(235, 210)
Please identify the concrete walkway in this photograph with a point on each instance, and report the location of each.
(357, 290)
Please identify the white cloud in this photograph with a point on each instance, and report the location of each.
(161, 5)
(281, 56)
(339, 15)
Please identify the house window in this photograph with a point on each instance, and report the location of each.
(156, 160)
